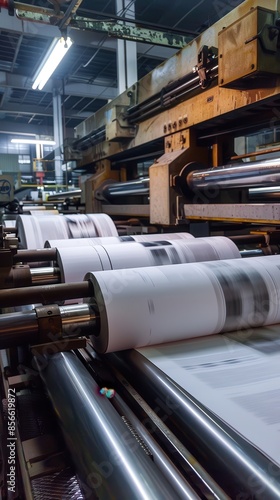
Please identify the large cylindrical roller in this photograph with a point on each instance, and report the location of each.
(31, 230)
(74, 264)
(242, 175)
(153, 305)
(34, 231)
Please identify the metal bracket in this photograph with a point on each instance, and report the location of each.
(205, 55)
(49, 323)
(60, 346)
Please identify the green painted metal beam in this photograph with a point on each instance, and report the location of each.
(114, 29)
(135, 33)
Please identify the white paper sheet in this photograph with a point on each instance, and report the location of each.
(235, 375)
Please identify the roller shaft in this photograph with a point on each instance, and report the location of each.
(44, 294)
(45, 275)
(29, 327)
(43, 255)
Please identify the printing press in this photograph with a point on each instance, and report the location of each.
(146, 366)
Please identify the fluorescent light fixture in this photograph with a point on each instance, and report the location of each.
(54, 56)
(33, 141)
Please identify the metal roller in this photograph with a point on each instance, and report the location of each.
(108, 461)
(239, 175)
(18, 328)
(45, 324)
(263, 194)
(65, 194)
(112, 192)
(242, 175)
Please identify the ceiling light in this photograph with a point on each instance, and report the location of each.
(54, 56)
(33, 141)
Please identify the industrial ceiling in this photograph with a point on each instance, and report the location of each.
(88, 73)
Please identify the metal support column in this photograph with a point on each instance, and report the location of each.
(58, 135)
(126, 51)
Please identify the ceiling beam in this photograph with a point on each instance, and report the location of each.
(82, 38)
(132, 33)
(20, 128)
(90, 39)
(13, 128)
(118, 28)
(91, 91)
(26, 109)
(8, 80)
(13, 24)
